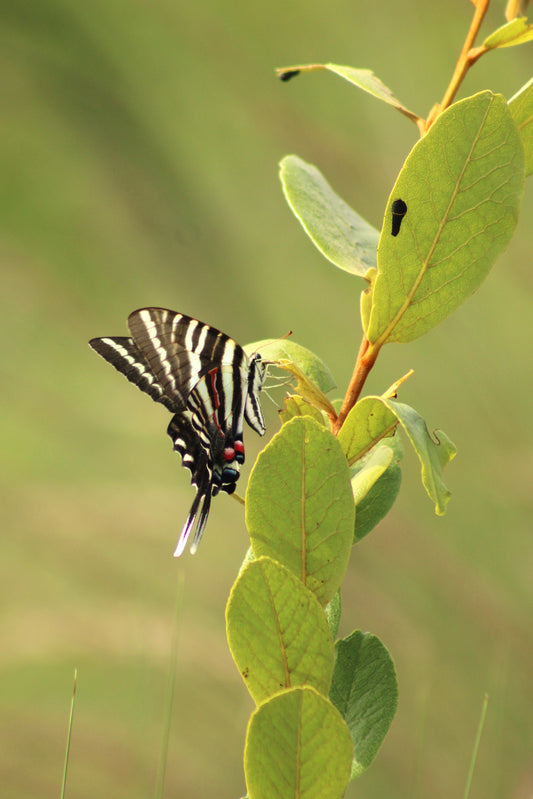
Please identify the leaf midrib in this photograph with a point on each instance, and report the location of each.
(426, 261)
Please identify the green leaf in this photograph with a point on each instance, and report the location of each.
(362, 78)
(521, 108)
(366, 80)
(376, 463)
(365, 692)
(377, 502)
(248, 558)
(368, 422)
(297, 746)
(297, 406)
(344, 237)
(517, 31)
(286, 350)
(299, 505)
(308, 390)
(366, 298)
(333, 612)
(277, 632)
(376, 482)
(434, 455)
(371, 420)
(370, 469)
(462, 184)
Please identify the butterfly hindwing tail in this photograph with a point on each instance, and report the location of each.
(187, 444)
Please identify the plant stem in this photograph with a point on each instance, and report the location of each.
(467, 57)
(366, 359)
(368, 353)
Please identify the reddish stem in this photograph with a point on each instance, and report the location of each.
(368, 353)
(366, 359)
(467, 57)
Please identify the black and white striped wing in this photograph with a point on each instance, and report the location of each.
(217, 405)
(207, 478)
(122, 353)
(187, 444)
(179, 350)
(207, 381)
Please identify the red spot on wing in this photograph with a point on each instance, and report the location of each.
(229, 454)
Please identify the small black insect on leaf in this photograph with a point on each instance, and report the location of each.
(288, 74)
(399, 210)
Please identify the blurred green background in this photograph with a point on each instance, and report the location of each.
(139, 154)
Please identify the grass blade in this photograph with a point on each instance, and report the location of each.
(476, 745)
(69, 735)
(169, 699)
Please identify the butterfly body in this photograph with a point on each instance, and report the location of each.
(206, 380)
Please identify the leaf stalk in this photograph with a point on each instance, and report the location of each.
(468, 56)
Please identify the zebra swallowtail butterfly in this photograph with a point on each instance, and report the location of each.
(210, 385)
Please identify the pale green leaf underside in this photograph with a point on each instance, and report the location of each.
(297, 747)
(299, 505)
(340, 234)
(521, 108)
(378, 461)
(377, 502)
(365, 691)
(462, 184)
(367, 423)
(307, 389)
(375, 488)
(434, 453)
(366, 299)
(284, 349)
(362, 78)
(517, 31)
(332, 612)
(298, 406)
(373, 419)
(277, 632)
(366, 80)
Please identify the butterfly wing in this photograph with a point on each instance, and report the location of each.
(180, 350)
(218, 405)
(205, 477)
(209, 440)
(187, 444)
(206, 380)
(123, 354)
